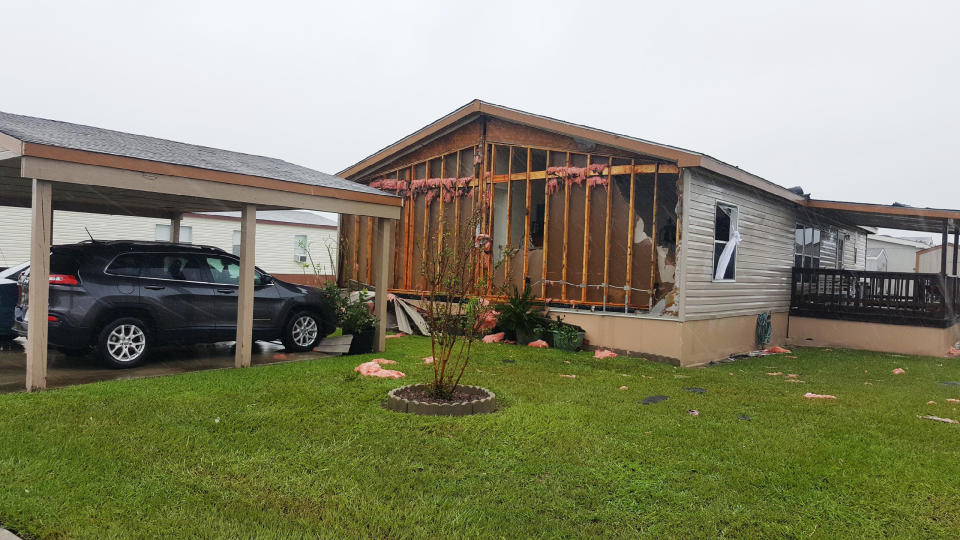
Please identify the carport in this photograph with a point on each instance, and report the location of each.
(49, 165)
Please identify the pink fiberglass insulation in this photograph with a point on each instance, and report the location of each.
(373, 369)
(539, 344)
(493, 338)
(811, 395)
(605, 353)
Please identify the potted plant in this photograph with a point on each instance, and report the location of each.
(521, 315)
(566, 337)
(359, 321)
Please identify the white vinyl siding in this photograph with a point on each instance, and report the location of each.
(163, 234)
(274, 240)
(765, 255)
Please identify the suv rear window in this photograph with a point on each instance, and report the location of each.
(126, 265)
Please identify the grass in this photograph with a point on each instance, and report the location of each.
(305, 449)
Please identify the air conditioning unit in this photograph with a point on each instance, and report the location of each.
(300, 258)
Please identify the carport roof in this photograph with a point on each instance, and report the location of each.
(41, 137)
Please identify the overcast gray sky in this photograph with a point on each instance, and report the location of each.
(851, 100)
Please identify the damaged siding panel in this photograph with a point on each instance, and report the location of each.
(764, 257)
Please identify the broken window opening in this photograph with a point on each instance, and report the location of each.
(726, 238)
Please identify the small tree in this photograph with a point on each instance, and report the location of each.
(456, 312)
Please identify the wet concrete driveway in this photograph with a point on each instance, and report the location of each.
(65, 370)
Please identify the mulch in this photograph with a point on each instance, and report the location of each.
(423, 395)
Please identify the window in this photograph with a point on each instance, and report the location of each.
(726, 239)
(300, 248)
(236, 243)
(226, 271)
(162, 234)
(180, 267)
(126, 265)
(806, 247)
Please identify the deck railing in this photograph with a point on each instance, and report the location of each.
(888, 297)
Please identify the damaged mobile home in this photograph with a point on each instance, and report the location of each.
(651, 248)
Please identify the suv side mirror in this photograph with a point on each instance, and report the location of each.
(266, 279)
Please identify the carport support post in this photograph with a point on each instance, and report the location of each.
(41, 222)
(943, 248)
(248, 234)
(175, 228)
(956, 247)
(382, 262)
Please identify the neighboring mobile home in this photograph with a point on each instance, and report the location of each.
(651, 248)
(281, 236)
(900, 253)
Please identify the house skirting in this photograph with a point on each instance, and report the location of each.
(689, 343)
(893, 338)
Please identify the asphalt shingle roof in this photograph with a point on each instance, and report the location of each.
(117, 143)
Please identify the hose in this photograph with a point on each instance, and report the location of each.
(764, 329)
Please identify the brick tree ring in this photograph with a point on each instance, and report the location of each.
(412, 399)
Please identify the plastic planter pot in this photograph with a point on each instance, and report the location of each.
(363, 342)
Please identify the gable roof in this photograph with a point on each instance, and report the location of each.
(683, 157)
(39, 137)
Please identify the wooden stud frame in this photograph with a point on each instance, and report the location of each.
(546, 233)
(508, 247)
(526, 224)
(566, 234)
(586, 238)
(606, 234)
(653, 237)
(630, 226)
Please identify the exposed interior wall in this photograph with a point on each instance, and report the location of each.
(575, 249)
(892, 338)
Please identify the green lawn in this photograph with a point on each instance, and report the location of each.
(305, 449)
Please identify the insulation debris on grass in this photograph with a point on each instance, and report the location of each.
(938, 419)
(428, 360)
(776, 350)
(899, 371)
(931, 402)
(383, 361)
(605, 353)
(775, 373)
(493, 338)
(623, 388)
(811, 395)
(538, 344)
(398, 334)
(568, 376)
(373, 369)
(951, 400)
(693, 412)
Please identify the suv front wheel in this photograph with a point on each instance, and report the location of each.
(125, 342)
(302, 332)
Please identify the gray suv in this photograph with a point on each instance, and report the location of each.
(124, 298)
